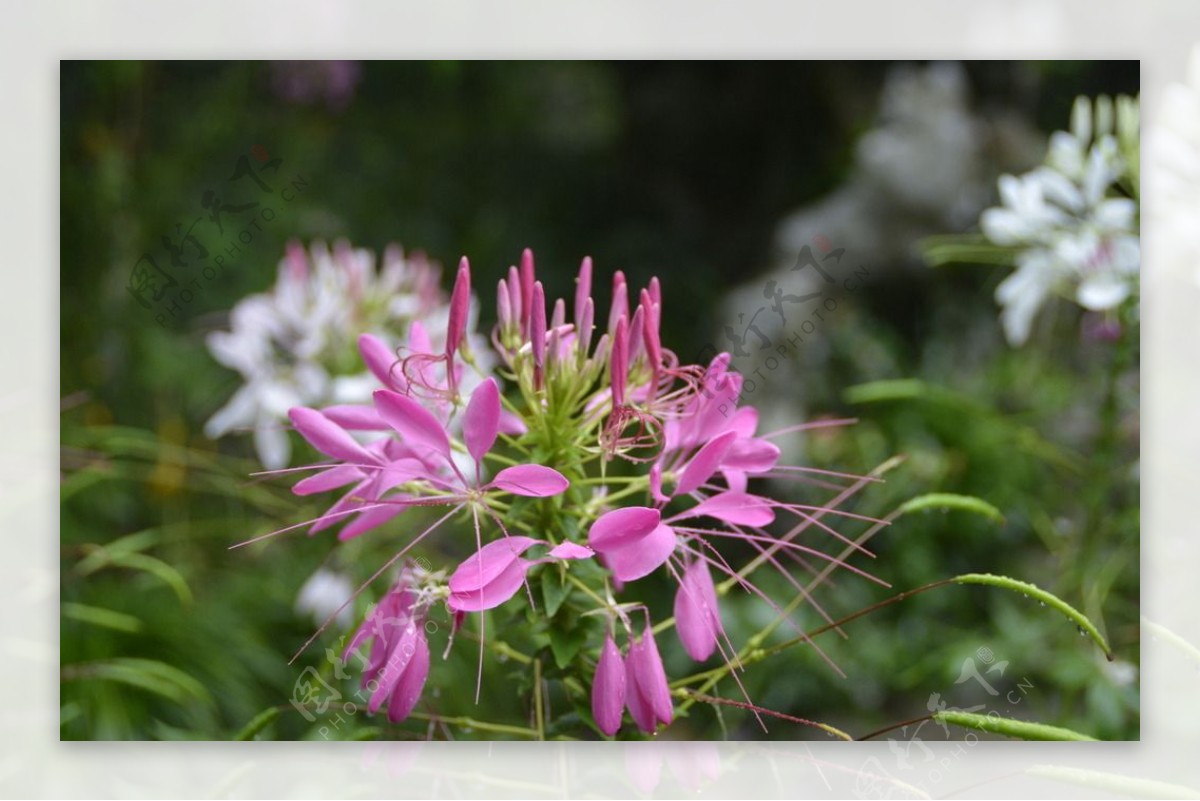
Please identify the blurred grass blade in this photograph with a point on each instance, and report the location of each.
(1038, 594)
(102, 617)
(147, 674)
(1113, 783)
(1019, 729)
(259, 722)
(947, 500)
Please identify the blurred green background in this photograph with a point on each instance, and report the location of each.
(681, 170)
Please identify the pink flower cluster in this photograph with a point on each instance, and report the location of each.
(580, 401)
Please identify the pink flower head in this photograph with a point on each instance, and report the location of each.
(646, 690)
(399, 659)
(608, 688)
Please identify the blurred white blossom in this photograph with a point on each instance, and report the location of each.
(1073, 221)
(295, 345)
(324, 595)
(1173, 173)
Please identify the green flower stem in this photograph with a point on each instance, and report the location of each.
(1019, 729)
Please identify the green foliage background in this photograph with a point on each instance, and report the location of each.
(678, 170)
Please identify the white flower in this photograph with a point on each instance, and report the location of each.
(296, 345)
(325, 594)
(1074, 234)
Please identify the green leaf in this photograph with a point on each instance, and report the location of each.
(147, 674)
(1038, 594)
(566, 644)
(258, 723)
(1020, 729)
(97, 616)
(554, 590)
(947, 500)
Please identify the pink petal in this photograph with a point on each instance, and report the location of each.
(327, 437)
(488, 562)
(737, 508)
(399, 654)
(494, 593)
(530, 480)
(412, 421)
(744, 421)
(696, 618)
(751, 455)
(623, 526)
(418, 338)
(640, 558)
(372, 518)
(608, 688)
(571, 550)
(380, 360)
(353, 417)
(334, 477)
(407, 691)
(704, 463)
(481, 420)
(646, 689)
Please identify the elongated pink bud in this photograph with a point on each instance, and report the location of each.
(527, 282)
(620, 301)
(636, 325)
(407, 690)
(696, 617)
(583, 287)
(646, 690)
(514, 297)
(618, 363)
(503, 305)
(559, 316)
(608, 688)
(585, 326)
(651, 336)
(460, 304)
(655, 290)
(537, 324)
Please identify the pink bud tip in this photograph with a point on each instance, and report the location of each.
(583, 287)
(527, 282)
(460, 301)
(537, 323)
(620, 301)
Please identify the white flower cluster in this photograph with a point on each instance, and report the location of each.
(296, 345)
(1073, 221)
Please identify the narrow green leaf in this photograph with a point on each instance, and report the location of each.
(947, 500)
(1038, 594)
(97, 616)
(258, 723)
(1019, 729)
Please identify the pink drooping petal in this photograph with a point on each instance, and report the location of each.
(332, 478)
(485, 565)
(408, 689)
(608, 688)
(481, 420)
(380, 360)
(571, 550)
(354, 417)
(494, 593)
(704, 463)
(646, 690)
(460, 304)
(415, 424)
(751, 455)
(696, 617)
(530, 480)
(400, 654)
(643, 557)
(327, 437)
(738, 508)
(621, 527)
